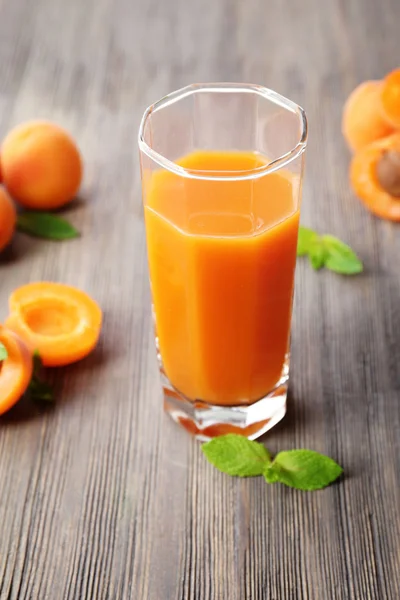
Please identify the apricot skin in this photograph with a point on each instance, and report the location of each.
(8, 218)
(363, 121)
(41, 165)
(390, 98)
(15, 371)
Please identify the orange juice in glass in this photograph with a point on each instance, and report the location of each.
(222, 169)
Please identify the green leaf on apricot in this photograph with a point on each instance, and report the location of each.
(38, 389)
(3, 352)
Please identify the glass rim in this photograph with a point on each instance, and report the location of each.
(257, 172)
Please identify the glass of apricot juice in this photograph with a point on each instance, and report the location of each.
(222, 168)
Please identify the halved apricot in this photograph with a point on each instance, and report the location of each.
(15, 370)
(60, 321)
(363, 121)
(390, 98)
(375, 177)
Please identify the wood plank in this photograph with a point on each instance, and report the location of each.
(102, 496)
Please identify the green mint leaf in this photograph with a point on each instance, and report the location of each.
(38, 389)
(37, 362)
(317, 253)
(328, 251)
(45, 225)
(236, 455)
(340, 257)
(3, 352)
(304, 240)
(303, 470)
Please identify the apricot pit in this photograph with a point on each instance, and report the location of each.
(375, 177)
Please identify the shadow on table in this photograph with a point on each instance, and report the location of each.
(296, 412)
(22, 245)
(75, 204)
(28, 409)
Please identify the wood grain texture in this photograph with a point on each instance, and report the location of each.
(102, 497)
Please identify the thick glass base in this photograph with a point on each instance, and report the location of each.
(206, 421)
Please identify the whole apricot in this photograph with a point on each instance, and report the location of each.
(8, 218)
(390, 98)
(363, 121)
(41, 165)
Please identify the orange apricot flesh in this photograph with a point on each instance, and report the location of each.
(59, 321)
(372, 180)
(15, 370)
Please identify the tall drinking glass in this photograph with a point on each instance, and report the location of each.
(222, 168)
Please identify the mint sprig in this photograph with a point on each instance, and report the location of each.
(327, 251)
(45, 225)
(317, 253)
(304, 240)
(301, 469)
(340, 257)
(237, 456)
(38, 389)
(3, 352)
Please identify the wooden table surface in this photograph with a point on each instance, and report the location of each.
(102, 496)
